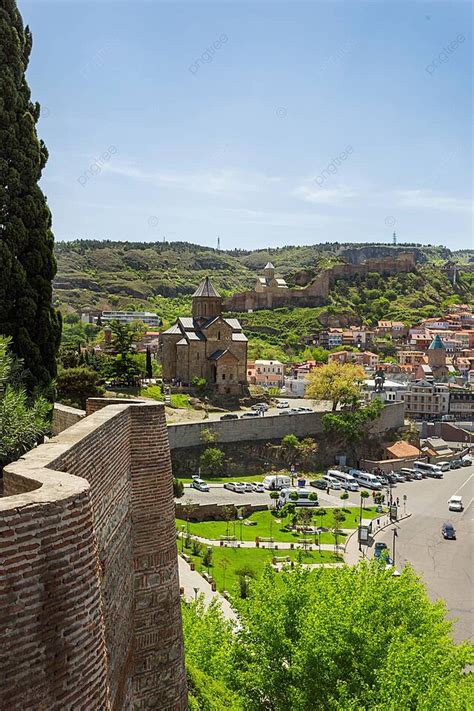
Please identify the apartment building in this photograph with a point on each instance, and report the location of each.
(425, 400)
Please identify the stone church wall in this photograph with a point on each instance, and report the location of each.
(90, 610)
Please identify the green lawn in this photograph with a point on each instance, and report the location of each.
(268, 526)
(227, 561)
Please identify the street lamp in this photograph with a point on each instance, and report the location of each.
(182, 538)
(395, 535)
(196, 590)
(209, 553)
(241, 519)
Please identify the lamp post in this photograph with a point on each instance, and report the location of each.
(395, 535)
(196, 590)
(241, 519)
(209, 553)
(182, 538)
(404, 503)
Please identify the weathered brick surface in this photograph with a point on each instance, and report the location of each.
(64, 417)
(89, 597)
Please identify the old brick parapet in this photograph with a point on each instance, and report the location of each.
(89, 596)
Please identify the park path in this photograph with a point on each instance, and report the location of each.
(191, 581)
(280, 545)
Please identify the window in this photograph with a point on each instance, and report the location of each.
(223, 376)
(231, 376)
(218, 335)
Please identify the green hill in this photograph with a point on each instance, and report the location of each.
(162, 276)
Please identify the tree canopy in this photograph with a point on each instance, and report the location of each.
(340, 383)
(338, 639)
(27, 264)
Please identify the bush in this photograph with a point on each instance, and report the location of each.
(75, 385)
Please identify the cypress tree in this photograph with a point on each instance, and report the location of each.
(27, 264)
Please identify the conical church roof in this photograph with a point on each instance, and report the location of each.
(269, 265)
(436, 343)
(206, 288)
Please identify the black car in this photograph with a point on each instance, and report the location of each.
(229, 416)
(391, 479)
(319, 483)
(448, 531)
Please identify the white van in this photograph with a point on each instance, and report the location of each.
(369, 480)
(432, 470)
(303, 496)
(274, 482)
(332, 482)
(444, 466)
(455, 503)
(346, 481)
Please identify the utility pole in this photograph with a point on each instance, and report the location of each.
(394, 238)
(218, 243)
(395, 535)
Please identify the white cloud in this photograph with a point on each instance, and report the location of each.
(430, 200)
(324, 196)
(218, 182)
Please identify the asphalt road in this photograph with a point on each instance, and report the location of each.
(446, 567)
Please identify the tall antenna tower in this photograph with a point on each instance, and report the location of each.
(394, 238)
(218, 243)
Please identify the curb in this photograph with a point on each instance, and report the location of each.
(382, 528)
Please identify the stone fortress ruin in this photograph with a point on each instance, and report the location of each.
(271, 291)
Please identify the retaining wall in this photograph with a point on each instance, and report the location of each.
(271, 427)
(89, 597)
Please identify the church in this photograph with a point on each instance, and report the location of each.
(206, 345)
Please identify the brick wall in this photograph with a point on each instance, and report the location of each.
(90, 598)
(64, 417)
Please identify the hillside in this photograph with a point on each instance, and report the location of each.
(162, 276)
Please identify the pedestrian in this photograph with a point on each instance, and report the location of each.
(398, 501)
(378, 523)
(327, 490)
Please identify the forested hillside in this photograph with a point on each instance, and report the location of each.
(162, 277)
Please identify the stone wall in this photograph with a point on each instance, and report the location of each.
(90, 609)
(317, 291)
(271, 427)
(64, 417)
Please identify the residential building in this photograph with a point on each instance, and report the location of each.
(296, 387)
(402, 450)
(269, 373)
(394, 328)
(364, 358)
(461, 405)
(425, 400)
(149, 318)
(206, 345)
(392, 390)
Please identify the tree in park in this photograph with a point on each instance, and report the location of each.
(23, 421)
(339, 639)
(340, 383)
(123, 367)
(149, 365)
(27, 264)
(212, 459)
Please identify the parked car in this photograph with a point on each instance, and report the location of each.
(391, 478)
(283, 405)
(230, 416)
(306, 409)
(318, 484)
(407, 473)
(249, 414)
(448, 531)
(258, 487)
(294, 410)
(236, 486)
(379, 547)
(455, 503)
(248, 485)
(398, 477)
(260, 406)
(466, 462)
(199, 484)
(455, 464)
(383, 479)
(285, 412)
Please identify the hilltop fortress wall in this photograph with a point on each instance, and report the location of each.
(317, 291)
(90, 608)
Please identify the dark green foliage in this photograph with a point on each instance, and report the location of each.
(23, 421)
(351, 426)
(149, 366)
(75, 385)
(178, 488)
(27, 264)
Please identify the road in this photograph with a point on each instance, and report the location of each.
(446, 567)
(221, 496)
(186, 416)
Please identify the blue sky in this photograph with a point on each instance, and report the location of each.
(266, 123)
